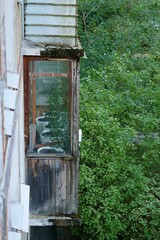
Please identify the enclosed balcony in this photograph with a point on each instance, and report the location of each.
(52, 22)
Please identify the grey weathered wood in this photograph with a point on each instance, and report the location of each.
(53, 186)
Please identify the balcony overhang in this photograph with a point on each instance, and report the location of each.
(52, 51)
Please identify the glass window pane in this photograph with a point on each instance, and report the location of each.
(49, 106)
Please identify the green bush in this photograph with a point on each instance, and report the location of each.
(119, 154)
(120, 118)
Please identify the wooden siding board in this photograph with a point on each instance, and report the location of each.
(10, 98)
(8, 121)
(25, 191)
(58, 187)
(63, 179)
(50, 19)
(12, 80)
(52, 39)
(59, 21)
(50, 30)
(14, 236)
(49, 9)
(68, 201)
(16, 211)
(52, 1)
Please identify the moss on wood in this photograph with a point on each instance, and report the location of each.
(70, 53)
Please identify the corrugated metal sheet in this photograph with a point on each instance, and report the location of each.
(51, 21)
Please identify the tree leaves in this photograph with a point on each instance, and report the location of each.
(120, 119)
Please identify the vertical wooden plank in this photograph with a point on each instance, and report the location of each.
(3, 218)
(33, 126)
(47, 167)
(8, 121)
(26, 100)
(33, 182)
(72, 185)
(1, 140)
(63, 189)
(33, 100)
(54, 187)
(41, 182)
(75, 184)
(68, 193)
(25, 203)
(58, 187)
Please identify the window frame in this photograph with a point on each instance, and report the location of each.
(72, 102)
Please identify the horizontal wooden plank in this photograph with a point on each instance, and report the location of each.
(54, 221)
(34, 74)
(50, 30)
(53, 1)
(46, 9)
(52, 40)
(57, 4)
(50, 20)
(50, 156)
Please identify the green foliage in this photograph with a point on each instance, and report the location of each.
(115, 25)
(120, 119)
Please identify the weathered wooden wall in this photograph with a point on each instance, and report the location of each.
(54, 190)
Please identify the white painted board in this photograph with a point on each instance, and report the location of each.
(8, 121)
(14, 236)
(16, 215)
(12, 80)
(51, 20)
(49, 9)
(50, 40)
(25, 191)
(10, 98)
(47, 30)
